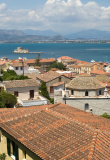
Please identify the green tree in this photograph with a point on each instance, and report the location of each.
(43, 90)
(37, 61)
(11, 75)
(7, 100)
(105, 115)
(2, 156)
(58, 65)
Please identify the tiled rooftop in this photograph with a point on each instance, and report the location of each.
(44, 60)
(59, 132)
(30, 60)
(2, 62)
(48, 76)
(58, 84)
(65, 58)
(20, 83)
(84, 83)
(98, 72)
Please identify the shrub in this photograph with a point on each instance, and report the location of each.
(105, 115)
(7, 100)
(2, 156)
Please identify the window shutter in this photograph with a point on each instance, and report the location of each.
(8, 146)
(16, 152)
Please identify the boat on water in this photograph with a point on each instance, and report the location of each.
(21, 50)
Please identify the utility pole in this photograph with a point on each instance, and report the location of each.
(23, 65)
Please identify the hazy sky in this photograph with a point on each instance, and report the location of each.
(63, 16)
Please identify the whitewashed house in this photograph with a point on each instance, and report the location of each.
(26, 91)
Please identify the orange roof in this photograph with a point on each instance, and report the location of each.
(98, 72)
(75, 66)
(2, 62)
(69, 75)
(58, 132)
(30, 61)
(58, 84)
(47, 60)
(82, 62)
(105, 83)
(65, 58)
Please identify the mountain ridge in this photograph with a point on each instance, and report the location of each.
(49, 35)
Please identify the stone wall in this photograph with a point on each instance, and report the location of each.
(56, 80)
(98, 105)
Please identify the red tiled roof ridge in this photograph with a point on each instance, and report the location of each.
(90, 156)
(54, 105)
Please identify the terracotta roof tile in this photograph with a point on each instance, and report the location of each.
(2, 62)
(59, 132)
(58, 84)
(65, 58)
(30, 60)
(98, 72)
(47, 60)
(48, 76)
(75, 66)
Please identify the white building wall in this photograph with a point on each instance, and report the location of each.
(24, 93)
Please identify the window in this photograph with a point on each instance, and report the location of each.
(86, 107)
(100, 92)
(16, 93)
(16, 68)
(21, 68)
(51, 89)
(12, 149)
(59, 79)
(86, 93)
(72, 92)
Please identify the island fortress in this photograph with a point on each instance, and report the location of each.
(21, 50)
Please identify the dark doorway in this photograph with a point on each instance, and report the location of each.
(31, 93)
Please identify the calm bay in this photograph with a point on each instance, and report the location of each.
(81, 51)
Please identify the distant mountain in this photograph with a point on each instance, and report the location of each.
(12, 32)
(20, 36)
(48, 35)
(90, 34)
(40, 33)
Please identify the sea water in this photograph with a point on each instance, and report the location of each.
(81, 51)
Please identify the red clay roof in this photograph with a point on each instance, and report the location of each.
(47, 60)
(30, 61)
(69, 75)
(82, 62)
(48, 76)
(2, 62)
(75, 66)
(58, 84)
(65, 58)
(59, 132)
(98, 72)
